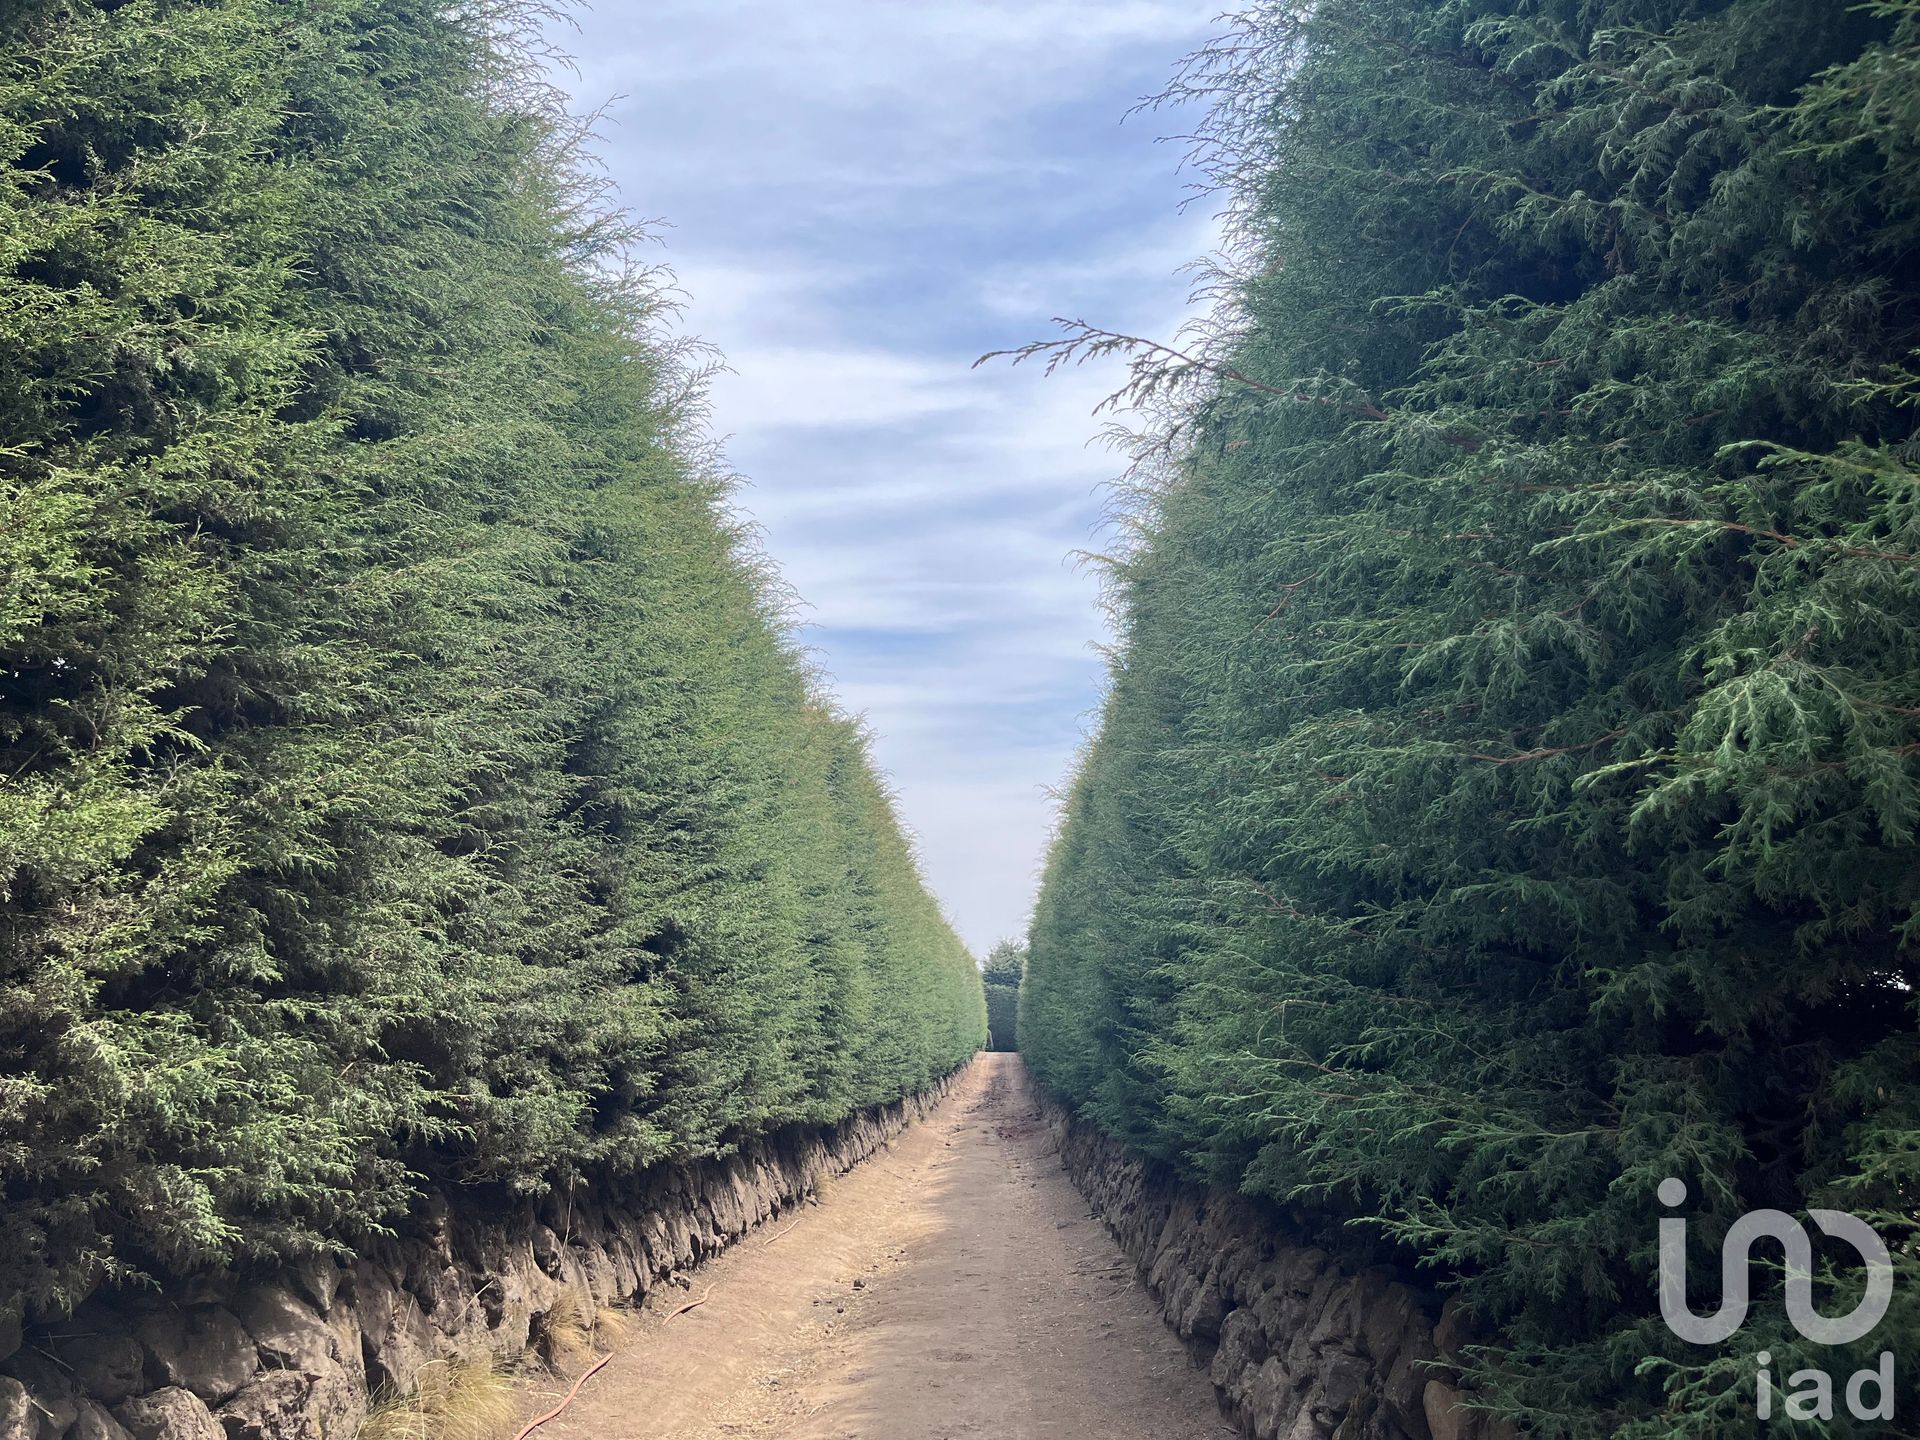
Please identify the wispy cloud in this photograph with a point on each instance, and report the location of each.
(864, 197)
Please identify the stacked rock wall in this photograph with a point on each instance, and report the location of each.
(296, 1355)
(1297, 1347)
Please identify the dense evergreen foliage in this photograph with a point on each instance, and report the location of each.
(1002, 971)
(1507, 792)
(407, 777)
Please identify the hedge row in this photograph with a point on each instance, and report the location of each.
(405, 774)
(1507, 794)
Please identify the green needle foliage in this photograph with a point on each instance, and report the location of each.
(405, 776)
(1002, 971)
(1508, 789)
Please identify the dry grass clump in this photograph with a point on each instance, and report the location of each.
(575, 1326)
(612, 1327)
(565, 1335)
(461, 1399)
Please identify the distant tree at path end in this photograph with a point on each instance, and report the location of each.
(1006, 962)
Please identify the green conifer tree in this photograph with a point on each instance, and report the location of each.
(1506, 797)
(406, 777)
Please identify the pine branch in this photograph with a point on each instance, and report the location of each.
(1151, 370)
(1785, 541)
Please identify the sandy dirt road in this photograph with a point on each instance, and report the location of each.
(953, 1286)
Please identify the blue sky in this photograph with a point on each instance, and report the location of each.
(859, 198)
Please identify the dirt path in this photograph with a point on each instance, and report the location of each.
(954, 1286)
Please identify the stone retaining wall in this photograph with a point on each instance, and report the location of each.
(1297, 1347)
(295, 1355)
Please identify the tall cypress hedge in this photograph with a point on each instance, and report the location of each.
(1507, 793)
(1002, 970)
(405, 774)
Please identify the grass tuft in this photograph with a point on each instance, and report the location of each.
(611, 1327)
(565, 1333)
(461, 1399)
(575, 1327)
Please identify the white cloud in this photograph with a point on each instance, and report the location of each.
(774, 387)
(974, 836)
(1022, 287)
(852, 53)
